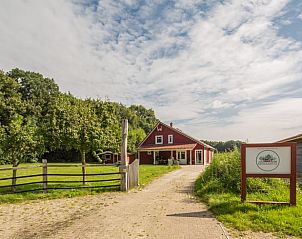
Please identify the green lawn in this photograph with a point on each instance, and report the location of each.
(219, 188)
(279, 219)
(146, 175)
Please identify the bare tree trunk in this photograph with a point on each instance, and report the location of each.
(83, 159)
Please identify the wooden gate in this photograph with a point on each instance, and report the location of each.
(133, 172)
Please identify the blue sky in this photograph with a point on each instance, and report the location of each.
(218, 69)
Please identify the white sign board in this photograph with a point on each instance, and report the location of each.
(268, 160)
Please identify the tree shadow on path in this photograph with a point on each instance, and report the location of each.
(201, 214)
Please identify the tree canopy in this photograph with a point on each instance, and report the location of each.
(226, 146)
(37, 120)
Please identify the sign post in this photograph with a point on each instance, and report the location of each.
(276, 160)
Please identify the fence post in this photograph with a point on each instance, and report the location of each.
(14, 179)
(84, 173)
(124, 177)
(124, 158)
(44, 170)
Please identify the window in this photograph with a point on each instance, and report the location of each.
(198, 157)
(170, 139)
(158, 139)
(181, 155)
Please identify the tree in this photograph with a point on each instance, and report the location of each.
(3, 158)
(135, 136)
(146, 117)
(38, 91)
(221, 146)
(89, 134)
(75, 126)
(108, 121)
(32, 105)
(19, 143)
(10, 99)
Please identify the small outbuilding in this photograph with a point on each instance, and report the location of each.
(166, 142)
(109, 157)
(296, 139)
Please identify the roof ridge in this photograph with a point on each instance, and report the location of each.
(290, 138)
(190, 137)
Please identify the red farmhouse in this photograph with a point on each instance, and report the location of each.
(166, 142)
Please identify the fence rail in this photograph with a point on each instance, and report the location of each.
(57, 166)
(56, 183)
(127, 178)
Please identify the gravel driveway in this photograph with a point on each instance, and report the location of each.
(165, 209)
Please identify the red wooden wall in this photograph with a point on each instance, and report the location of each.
(177, 137)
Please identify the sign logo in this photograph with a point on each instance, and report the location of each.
(267, 160)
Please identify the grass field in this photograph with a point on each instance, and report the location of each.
(219, 187)
(146, 175)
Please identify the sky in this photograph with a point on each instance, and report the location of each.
(218, 70)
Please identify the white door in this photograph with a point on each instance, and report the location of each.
(181, 156)
(199, 157)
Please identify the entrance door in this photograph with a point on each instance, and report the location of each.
(181, 156)
(199, 157)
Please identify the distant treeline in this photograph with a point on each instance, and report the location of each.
(37, 120)
(221, 146)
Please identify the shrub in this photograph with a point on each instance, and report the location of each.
(223, 176)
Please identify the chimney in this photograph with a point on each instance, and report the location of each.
(171, 124)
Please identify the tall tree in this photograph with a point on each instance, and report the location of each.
(135, 136)
(40, 92)
(20, 143)
(33, 105)
(10, 99)
(146, 117)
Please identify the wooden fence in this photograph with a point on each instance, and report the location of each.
(45, 178)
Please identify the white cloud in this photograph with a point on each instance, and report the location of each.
(50, 38)
(203, 68)
(268, 123)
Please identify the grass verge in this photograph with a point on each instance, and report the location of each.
(219, 187)
(146, 175)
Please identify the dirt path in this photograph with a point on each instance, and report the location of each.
(164, 209)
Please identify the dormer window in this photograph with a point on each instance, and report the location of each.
(170, 139)
(158, 139)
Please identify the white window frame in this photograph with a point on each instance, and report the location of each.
(181, 160)
(202, 156)
(181, 152)
(170, 139)
(159, 137)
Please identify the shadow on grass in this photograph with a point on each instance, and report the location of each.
(228, 204)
